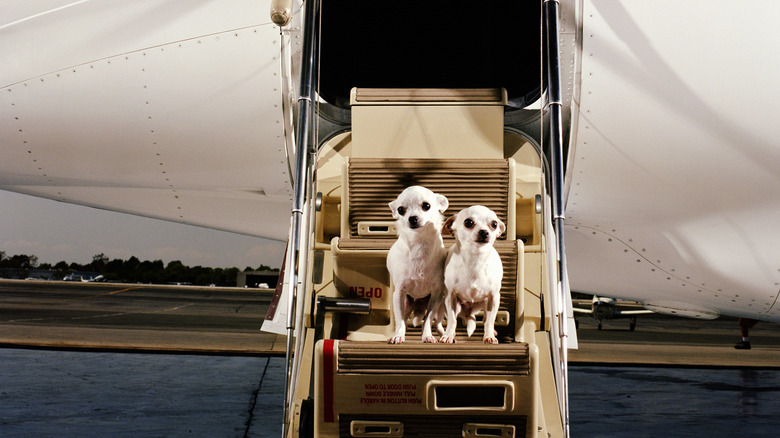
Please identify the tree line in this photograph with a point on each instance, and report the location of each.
(131, 270)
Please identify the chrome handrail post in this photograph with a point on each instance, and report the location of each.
(304, 150)
(555, 105)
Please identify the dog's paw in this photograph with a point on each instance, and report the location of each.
(490, 340)
(429, 339)
(397, 339)
(447, 339)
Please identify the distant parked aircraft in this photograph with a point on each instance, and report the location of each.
(605, 308)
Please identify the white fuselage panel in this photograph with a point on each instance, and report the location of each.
(675, 189)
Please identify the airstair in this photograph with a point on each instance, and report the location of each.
(350, 381)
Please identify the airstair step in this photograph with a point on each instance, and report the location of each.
(419, 358)
(437, 426)
(373, 183)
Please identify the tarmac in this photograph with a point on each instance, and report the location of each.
(196, 363)
(670, 341)
(204, 320)
(117, 360)
(60, 393)
(126, 317)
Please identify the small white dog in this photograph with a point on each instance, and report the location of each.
(473, 271)
(416, 260)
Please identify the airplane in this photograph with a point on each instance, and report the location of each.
(189, 112)
(84, 277)
(95, 279)
(602, 308)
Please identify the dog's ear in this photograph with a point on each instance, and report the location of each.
(446, 229)
(501, 227)
(443, 203)
(394, 209)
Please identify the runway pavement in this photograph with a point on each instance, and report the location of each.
(674, 341)
(211, 320)
(234, 391)
(56, 393)
(135, 317)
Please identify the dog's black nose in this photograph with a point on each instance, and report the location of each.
(482, 235)
(414, 221)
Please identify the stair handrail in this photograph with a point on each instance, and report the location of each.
(297, 255)
(559, 300)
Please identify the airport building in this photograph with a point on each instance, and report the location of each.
(261, 279)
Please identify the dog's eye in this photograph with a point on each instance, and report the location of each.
(401, 211)
(468, 223)
(494, 225)
(426, 206)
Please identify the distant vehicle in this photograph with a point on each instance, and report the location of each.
(263, 286)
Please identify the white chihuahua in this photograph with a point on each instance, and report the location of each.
(416, 260)
(473, 271)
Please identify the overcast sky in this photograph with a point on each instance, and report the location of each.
(55, 231)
